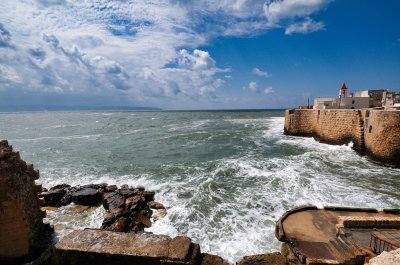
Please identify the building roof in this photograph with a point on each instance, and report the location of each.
(343, 87)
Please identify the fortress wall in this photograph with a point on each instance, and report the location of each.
(300, 122)
(337, 126)
(382, 136)
(340, 126)
(328, 126)
(23, 235)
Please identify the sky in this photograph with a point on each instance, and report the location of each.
(195, 54)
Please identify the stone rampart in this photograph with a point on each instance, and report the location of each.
(23, 235)
(382, 136)
(375, 133)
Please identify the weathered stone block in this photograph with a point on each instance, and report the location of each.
(101, 247)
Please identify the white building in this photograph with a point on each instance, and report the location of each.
(360, 101)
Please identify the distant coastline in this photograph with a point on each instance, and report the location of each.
(27, 108)
(41, 108)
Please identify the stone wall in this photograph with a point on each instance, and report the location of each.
(23, 236)
(374, 133)
(382, 136)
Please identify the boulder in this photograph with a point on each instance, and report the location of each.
(149, 195)
(208, 259)
(155, 205)
(128, 192)
(274, 258)
(52, 197)
(135, 203)
(87, 196)
(60, 187)
(111, 188)
(159, 214)
(113, 200)
(121, 225)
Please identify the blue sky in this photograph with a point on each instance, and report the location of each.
(177, 54)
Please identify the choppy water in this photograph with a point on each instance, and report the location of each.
(225, 177)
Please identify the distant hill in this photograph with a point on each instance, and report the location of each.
(12, 108)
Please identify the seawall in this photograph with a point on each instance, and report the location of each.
(375, 133)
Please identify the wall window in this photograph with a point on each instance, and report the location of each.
(370, 129)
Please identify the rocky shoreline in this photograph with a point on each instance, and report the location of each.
(128, 209)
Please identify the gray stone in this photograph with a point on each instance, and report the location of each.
(87, 196)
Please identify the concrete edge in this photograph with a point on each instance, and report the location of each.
(279, 231)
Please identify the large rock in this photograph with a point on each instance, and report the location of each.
(52, 197)
(107, 248)
(87, 196)
(208, 259)
(113, 200)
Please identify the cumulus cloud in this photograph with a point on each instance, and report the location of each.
(304, 27)
(294, 15)
(261, 73)
(276, 11)
(253, 86)
(268, 90)
(198, 60)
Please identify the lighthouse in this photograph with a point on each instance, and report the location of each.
(343, 90)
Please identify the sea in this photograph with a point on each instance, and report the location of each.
(224, 177)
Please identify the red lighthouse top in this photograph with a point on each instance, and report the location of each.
(343, 87)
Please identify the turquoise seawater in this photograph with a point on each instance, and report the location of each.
(225, 177)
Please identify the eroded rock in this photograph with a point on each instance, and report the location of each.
(87, 196)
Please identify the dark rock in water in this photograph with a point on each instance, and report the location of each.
(121, 225)
(128, 192)
(135, 203)
(95, 186)
(111, 188)
(113, 200)
(155, 205)
(60, 187)
(111, 217)
(52, 197)
(149, 195)
(146, 211)
(127, 207)
(144, 220)
(275, 258)
(87, 196)
(208, 259)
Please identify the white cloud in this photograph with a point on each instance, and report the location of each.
(268, 90)
(304, 27)
(276, 11)
(199, 60)
(261, 73)
(295, 15)
(9, 74)
(253, 86)
(140, 50)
